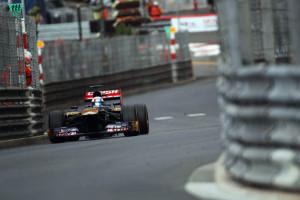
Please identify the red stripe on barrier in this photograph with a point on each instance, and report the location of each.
(25, 41)
(20, 66)
(41, 77)
(173, 42)
(40, 59)
(173, 56)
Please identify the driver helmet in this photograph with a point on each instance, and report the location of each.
(27, 56)
(97, 94)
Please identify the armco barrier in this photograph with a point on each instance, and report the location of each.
(20, 113)
(70, 93)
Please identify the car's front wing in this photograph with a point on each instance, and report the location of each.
(110, 129)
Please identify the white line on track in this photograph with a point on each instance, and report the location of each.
(196, 115)
(163, 118)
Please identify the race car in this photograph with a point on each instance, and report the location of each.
(93, 119)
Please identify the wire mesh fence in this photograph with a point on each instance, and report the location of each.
(69, 60)
(264, 35)
(11, 52)
(12, 73)
(32, 45)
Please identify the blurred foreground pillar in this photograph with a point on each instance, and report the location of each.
(259, 92)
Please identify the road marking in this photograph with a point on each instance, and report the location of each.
(163, 118)
(196, 115)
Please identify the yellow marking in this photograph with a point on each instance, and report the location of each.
(40, 44)
(172, 29)
(136, 126)
(90, 111)
(117, 109)
(72, 113)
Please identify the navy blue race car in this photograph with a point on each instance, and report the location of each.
(102, 114)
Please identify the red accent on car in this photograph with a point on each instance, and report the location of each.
(106, 94)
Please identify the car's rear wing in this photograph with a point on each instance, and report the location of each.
(107, 95)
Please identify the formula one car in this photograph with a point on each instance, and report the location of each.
(98, 119)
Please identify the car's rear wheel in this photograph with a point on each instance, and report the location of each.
(56, 120)
(128, 115)
(142, 117)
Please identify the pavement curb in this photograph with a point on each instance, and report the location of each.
(43, 139)
(221, 187)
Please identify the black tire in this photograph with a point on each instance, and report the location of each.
(129, 114)
(56, 120)
(142, 117)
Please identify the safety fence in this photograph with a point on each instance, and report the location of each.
(21, 108)
(69, 60)
(259, 92)
(12, 71)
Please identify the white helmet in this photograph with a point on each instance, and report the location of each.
(27, 54)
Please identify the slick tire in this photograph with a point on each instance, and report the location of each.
(129, 114)
(142, 117)
(56, 120)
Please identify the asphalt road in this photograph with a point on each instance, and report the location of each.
(184, 135)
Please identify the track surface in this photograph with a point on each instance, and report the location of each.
(184, 135)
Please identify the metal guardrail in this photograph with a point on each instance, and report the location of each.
(259, 95)
(68, 93)
(20, 113)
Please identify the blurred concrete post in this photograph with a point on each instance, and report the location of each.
(246, 32)
(233, 36)
(79, 22)
(102, 18)
(294, 26)
(259, 102)
(173, 51)
(195, 4)
(268, 30)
